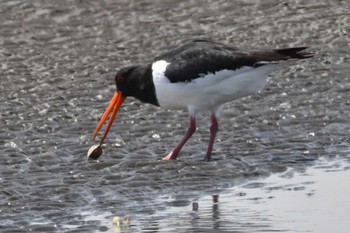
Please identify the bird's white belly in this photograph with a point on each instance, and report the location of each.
(209, 92)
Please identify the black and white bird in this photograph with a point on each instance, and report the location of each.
(200, 76)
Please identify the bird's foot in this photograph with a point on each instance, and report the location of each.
(170, 156)
(207, 158)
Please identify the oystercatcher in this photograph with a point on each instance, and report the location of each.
(200, 76)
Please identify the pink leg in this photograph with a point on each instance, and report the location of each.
(213, 130)
(192, 127)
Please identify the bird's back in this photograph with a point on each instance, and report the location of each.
(200, 57)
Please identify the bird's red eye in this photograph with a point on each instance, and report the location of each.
(119, 79)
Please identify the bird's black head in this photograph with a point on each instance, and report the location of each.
(136, 81)
(125, 80)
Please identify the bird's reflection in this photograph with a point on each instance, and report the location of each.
(215, 211)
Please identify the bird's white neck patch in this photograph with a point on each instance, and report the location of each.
(158, 68)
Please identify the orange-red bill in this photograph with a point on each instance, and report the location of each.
(114, 105)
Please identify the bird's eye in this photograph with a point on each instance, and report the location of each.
(119, 79)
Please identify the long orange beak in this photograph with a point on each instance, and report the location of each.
(114, 105)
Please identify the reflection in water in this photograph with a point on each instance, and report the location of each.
(216, 212)
(194, 206)
(312, 201)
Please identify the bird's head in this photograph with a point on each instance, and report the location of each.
(124, 80)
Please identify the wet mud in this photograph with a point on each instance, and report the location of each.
(57, 63)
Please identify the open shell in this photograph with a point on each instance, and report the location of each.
(94, 152)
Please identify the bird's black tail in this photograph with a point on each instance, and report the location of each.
(294, 53)
(281, 54)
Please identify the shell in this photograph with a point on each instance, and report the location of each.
(117, 220)
(94, 152)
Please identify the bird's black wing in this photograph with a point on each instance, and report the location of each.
(200, 57)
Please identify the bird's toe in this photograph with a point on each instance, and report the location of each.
(170, 156)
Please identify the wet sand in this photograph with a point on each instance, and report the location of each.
(57, 66)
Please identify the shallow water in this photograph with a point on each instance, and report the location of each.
(58, 59)
(314, 200)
